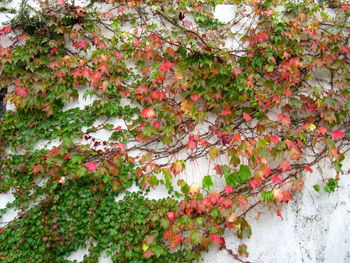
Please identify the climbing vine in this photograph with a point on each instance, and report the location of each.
(169, 90)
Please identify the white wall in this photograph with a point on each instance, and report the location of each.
(315, 228)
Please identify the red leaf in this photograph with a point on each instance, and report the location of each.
(246, 117)
(274, 139)
(284, 118)
(278, 212)
(156, 124)
(228, 189)
(217, 239)
(226, 112)
(322, 130)
(195, 97)
(166, 66)
(276, 179)
(338, 134)
(141, 90)
(242, 202)
(308, 169)
(192, 144)
(254, 184)
(148, 113)
(54, 50)
(171, 216)
(261, 37)
(91, 166)
(285, 165)
(22, 92)
(287, 196)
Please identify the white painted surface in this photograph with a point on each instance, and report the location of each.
(315, 227)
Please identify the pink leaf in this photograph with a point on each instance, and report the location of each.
(338, 134)
(166, 66)
(278, 212)
(322, 130)
(22, 92)
(226, 112)
(242, 202)
(148, 113)
(274, 139)
(91, 166)
(308, 169)
(228, 189)
(156, 124)
(195, 97)
(284, 118)
(246, 117)
(171, 216)
(285, 165)
(276, 179)
(254, 184)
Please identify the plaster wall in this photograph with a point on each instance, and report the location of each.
(315, 228)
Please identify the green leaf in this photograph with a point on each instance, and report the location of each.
(207, 182)
(317, 187)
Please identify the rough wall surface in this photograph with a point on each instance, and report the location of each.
(315, 226)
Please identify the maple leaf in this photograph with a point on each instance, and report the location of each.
(338, 134)
(254, 184)
(226, 112)
(80, 44)
(194, 189)
(67, 156)
(177, 167)
(195, 97)
(91, 166)
(278, 212)
(276, 179)
(148, 253)
(22, 92)
(285, 165)
(76, 73)
(228, 189)
(158, 95)
(278, 195)
(246, 117)
(54, 50)
(216, 239)
(148, 113)
(284, 118)
(287, 196)
(192, 144)
(274, 139)
(242, 202)
(321, 130)
(156, 124)
(166, 66)
(261, 37)
(308, 169)
(171, 216)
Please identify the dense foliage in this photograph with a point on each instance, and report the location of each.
(169, 93)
